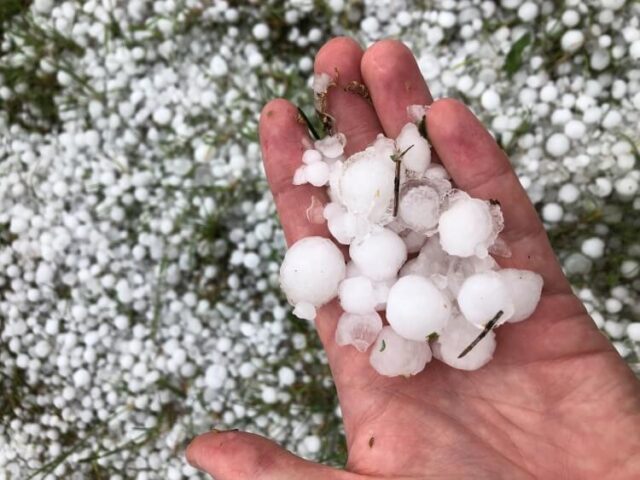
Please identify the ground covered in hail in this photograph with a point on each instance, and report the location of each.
(139, 248)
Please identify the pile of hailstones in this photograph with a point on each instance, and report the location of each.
(425, 262)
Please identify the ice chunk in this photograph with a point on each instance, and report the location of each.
(419, 207)
(317, 173)
(392, 355)
(311, 156)
(435, 171)
(332, 146)
(379, 255)
(311, 271)
(482, 296)
(468, 227)
(417, 112)
(525, 288)
(300, 175)
(321, 83)
(412, 240)
(358, 330)
(416, 308)
(305, 310)
(461, 268)
(357, 295)
(458, 335)
(417, 153)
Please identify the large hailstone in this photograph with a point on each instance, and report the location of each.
(524, 288)
(458, 335)
(312, 269)
(469, 226)
(416, 308)
(482, 296)
(393, 355)
(419, 207)
(417, 156)
(358, 330)
(379, 255)
(357, 295)
(365, 182)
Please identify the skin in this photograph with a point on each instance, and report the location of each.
(556, 401)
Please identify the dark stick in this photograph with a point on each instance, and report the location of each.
(313, 131)
(397, 157)
(487, 328)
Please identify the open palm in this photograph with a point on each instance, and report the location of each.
(555, 402)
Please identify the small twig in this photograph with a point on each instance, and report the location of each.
(302, 118)
(487, 328)
(397, 157)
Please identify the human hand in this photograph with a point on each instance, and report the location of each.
(555, 402)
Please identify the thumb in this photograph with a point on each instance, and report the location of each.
(236, 455)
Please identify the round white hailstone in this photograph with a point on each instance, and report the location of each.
(312, 269)
(612, 4)
(419, 207)
(458, 335)
(436, 172)
(524, 288)
(218, 67)
(528, 11)
(44, 274)
(572, 41)
(43, 6)
(81, 378)
(466, 227)
(418, 156)
(317, 173)
(162, 116)
(286, 376)
(311, 156)
(392, 355)
(600, 59)
(260, 31)
(568, 193)
(332, 210)
(416, 308)
(370, 25)
(482, 296)
(447, 19)
(357, 295)
(613, 305)
(629, 268)
(379, 255)
(305, 311)
(42, 349)
(300, 175)
(612, 119)
(576, 263)
(633, 331)
(312, 444)
(359, 331)
(634, 49)
(269, 395)
(575, 129)
(570, 18)
(557, 145)
(251, 260)
(593, 247)
(552, 212)
(343, 227)
(331, 146)
(626, 187)
(215, 376)
(490, 100)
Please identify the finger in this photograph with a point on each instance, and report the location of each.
(281, 138)
(395, 82)
(479, 167)
(244, 456)
(354, 116)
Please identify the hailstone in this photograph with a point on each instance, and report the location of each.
(379, 255)
(524, 288)
(482, 296)
(357, 295)
(458, 335)
(417, 154)
(416, 308)
(392, 355)
(311, 271)
(358, 330)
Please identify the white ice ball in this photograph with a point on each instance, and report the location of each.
(317, 173)
(557, 145)
(419, 207)
(379, 255)
(416, 308)
(393, 355)
(458, 335)
(572, 40)
(418, 154)
(358, 330)
(357, 295)
(312, 269)
(525, 289)
(466, 228)
(482, 296)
